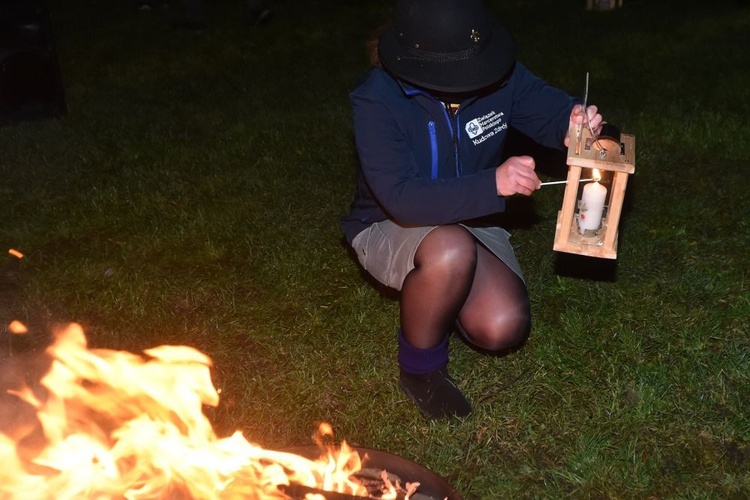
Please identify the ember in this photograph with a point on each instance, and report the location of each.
(113, 424)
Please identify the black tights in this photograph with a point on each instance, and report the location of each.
(456, 279)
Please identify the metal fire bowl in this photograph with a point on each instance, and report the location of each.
(431, 486)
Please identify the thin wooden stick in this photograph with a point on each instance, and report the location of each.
(552, 183)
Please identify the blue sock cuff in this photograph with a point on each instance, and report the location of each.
(420, 361)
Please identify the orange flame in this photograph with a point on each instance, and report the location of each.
(120, 425)
(596, 175)
(17, 328)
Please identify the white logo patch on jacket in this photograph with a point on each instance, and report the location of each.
(482, 128)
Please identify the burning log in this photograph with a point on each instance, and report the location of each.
(378, 483)
(300, 492)
(381, 469)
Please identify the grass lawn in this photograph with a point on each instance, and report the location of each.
(191, 195)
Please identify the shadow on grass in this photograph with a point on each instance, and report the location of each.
(588, 268)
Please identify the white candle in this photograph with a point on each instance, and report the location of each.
(591, 207)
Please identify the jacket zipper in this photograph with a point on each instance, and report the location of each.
(433, 149)
(453, 122)
(459, 170)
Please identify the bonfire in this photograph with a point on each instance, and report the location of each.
(113, 424)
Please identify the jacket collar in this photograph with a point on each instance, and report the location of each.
(412, 91)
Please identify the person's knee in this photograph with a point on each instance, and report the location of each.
(510, 332)
(500, 332)
(450, 249)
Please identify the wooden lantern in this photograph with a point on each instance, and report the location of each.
(613, 156)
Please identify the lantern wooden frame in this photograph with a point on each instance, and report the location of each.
(608, 156)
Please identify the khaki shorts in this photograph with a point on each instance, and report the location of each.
(386, 250)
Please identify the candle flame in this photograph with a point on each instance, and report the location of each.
(597, 176)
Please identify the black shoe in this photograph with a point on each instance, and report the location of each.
(259, 15)
(435, 394)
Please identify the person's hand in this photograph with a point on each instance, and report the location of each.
(576, 118)
(516, 176)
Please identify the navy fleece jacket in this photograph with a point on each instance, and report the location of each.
(419, 165)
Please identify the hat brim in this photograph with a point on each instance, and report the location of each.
(474, 73)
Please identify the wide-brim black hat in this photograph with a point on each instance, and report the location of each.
(451, 46)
